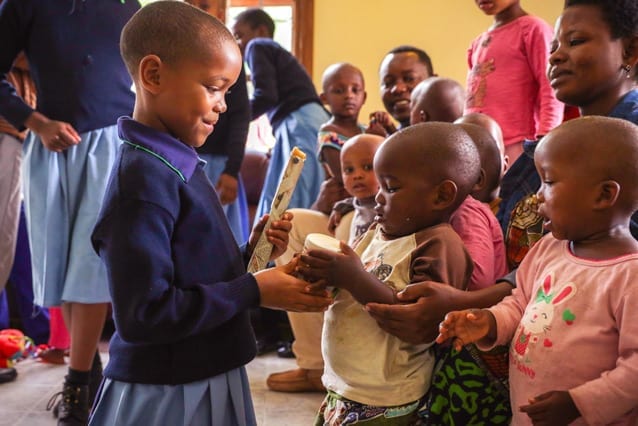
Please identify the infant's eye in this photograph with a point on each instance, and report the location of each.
(367, 167)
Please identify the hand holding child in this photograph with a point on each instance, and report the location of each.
(416, 318)
(466, 327)
(278, 234)
(551, 408)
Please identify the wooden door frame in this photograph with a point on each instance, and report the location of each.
(302, 22)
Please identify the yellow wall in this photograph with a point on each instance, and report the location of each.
(362, 31)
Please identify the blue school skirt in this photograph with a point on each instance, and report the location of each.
(237, 211)
(223, 400)
(299, 129)
(62, 198)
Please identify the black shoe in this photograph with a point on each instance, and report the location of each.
(8, 374)
(266, 344)
(95, 378)
(285, 350)
(73, 408)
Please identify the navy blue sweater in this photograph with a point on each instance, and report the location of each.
(281, 83)
(177, 278)
(74, 57)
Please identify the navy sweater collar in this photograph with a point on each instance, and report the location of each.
(179, 157)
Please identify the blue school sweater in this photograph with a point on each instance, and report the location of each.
(281, 83)
(177, 278)
(74, 58)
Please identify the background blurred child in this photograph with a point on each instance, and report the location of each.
(421, 183)
(571, 358)
(436, 99)
(177, 278)
(507, 77)
(489, 124)
(344, 94)
(291, 103)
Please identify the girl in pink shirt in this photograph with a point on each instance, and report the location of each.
(507, 78)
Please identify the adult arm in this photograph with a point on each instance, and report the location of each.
(537, 41)
(239, 118)
(16, 20)
(424, 305)
(264, 78)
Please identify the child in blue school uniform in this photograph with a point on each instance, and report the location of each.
(285, 92)
(177, 278)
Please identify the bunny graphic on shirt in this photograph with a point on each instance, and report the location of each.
(539, 316)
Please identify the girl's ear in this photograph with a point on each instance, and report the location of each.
(630, 51)
(149, 73)
(446, 194)
(608, 192)
(322, 98)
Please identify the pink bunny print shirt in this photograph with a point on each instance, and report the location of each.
(572, 325)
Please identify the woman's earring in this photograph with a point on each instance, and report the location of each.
(627, 69)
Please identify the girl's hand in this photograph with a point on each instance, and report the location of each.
(279, 289)
(55, 135)
(278, 234)
(227, 188)
(336, 269)
(551, 408)
(465, 327)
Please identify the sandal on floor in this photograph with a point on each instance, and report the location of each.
(51, 355)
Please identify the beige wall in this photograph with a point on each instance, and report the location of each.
(362, 31)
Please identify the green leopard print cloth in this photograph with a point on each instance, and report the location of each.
(469, 387)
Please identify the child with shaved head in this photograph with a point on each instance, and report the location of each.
(177, 278)
(424, 171)
(436, 99)
(570, 322)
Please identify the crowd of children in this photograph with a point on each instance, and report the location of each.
(483, 243)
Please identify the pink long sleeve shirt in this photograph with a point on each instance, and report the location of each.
(507, 79)
(573, 325)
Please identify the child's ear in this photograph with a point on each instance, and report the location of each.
(480, 183)
(608, 192)
(149, 73)
(423, 118)
(505, 164)
(365, 96)
(322, 98)
(446, 194)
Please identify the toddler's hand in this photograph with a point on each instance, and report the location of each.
(465, 327)
(333, 221)
(280, 290)
(551, 408)
(381, 124)
(336, 269)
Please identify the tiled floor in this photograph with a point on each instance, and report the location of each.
(23, 401)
